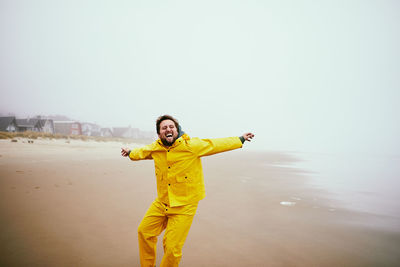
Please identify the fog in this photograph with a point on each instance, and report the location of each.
(302, 75)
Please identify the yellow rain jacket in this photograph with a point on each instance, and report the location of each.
(178, 167)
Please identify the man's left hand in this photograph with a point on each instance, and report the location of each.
(248, 136)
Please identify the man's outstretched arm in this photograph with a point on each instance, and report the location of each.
(207, 147)
(137, 153)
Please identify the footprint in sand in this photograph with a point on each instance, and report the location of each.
(37, 187)
(13, 187)
(56, 185)
(19, 171)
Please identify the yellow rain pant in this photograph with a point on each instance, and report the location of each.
(176, 221)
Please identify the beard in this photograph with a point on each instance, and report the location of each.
(168, 143)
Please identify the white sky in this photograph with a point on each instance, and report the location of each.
(302, 75)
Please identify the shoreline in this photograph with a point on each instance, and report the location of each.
(359, 183)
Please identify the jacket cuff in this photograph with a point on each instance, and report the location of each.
(242, 139)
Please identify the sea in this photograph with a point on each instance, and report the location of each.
(360, 182)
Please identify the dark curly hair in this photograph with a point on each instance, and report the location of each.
(163, 118)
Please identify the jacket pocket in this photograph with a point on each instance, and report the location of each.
(182, 178)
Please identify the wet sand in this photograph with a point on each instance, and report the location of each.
(79, 204)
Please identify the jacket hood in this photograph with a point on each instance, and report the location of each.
(180, 131)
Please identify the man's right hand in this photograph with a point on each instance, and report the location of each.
(125, 152)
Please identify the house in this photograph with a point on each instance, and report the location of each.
(126, 132)
(35, 125)
(121, 132)
(8, 124)
(148, 135)
(68, 127)
(106, 132)
(90, 129)
(28, 125)
(47, 126)
(129, 132)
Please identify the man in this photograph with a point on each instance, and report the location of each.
(180, 186)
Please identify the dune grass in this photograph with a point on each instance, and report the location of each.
(50, 136)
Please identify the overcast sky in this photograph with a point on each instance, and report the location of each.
(302, 75)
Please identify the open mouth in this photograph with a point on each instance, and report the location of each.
(168, 135)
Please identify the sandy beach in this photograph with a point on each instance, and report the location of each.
(80, 203)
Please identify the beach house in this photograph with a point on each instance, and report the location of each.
(68, 127)
(8, 124)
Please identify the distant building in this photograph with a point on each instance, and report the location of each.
(129, 132)
(90, 129)
(68, 127)
(124, 132)
(11, 124)
(28, 125)
(148, 135)
(47, 126)
(106, 132)
(8, 124)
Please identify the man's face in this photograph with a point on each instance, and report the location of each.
(168, 132)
